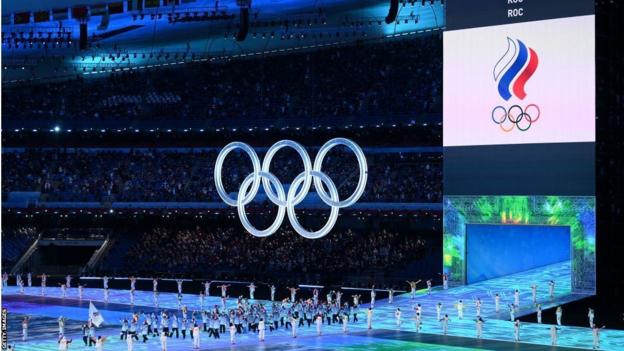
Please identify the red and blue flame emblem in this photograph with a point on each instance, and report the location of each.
(513, 74)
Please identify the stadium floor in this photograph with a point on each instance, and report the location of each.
(497, 331)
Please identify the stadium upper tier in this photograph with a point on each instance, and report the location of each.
(398, 80)
(160, 175)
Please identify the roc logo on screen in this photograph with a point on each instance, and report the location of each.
(512, 72)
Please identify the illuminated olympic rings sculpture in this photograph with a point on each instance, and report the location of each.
(516, 116)
(299, 187)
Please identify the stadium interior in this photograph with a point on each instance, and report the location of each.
(114, 113)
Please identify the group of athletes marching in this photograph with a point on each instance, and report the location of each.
(245, 317)
(289, 314)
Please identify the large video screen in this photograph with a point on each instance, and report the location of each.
(518, 131)
(519, 98)
(520, 83)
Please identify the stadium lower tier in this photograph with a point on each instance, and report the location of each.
(384, 334)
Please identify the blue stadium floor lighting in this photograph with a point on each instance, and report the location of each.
(497, 334)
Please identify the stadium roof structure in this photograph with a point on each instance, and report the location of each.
(42, 39)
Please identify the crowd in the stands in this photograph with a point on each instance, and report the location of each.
(379, 79)
(160, 175)
(199, 250)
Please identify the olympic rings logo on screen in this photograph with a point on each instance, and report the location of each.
(299, 188)
(516, 117)
(512, 71)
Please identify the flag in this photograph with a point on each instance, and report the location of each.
(94, 315)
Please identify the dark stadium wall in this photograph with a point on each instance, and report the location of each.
(609, 151)
(609, 175)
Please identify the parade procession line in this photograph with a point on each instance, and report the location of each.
(498, 330)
